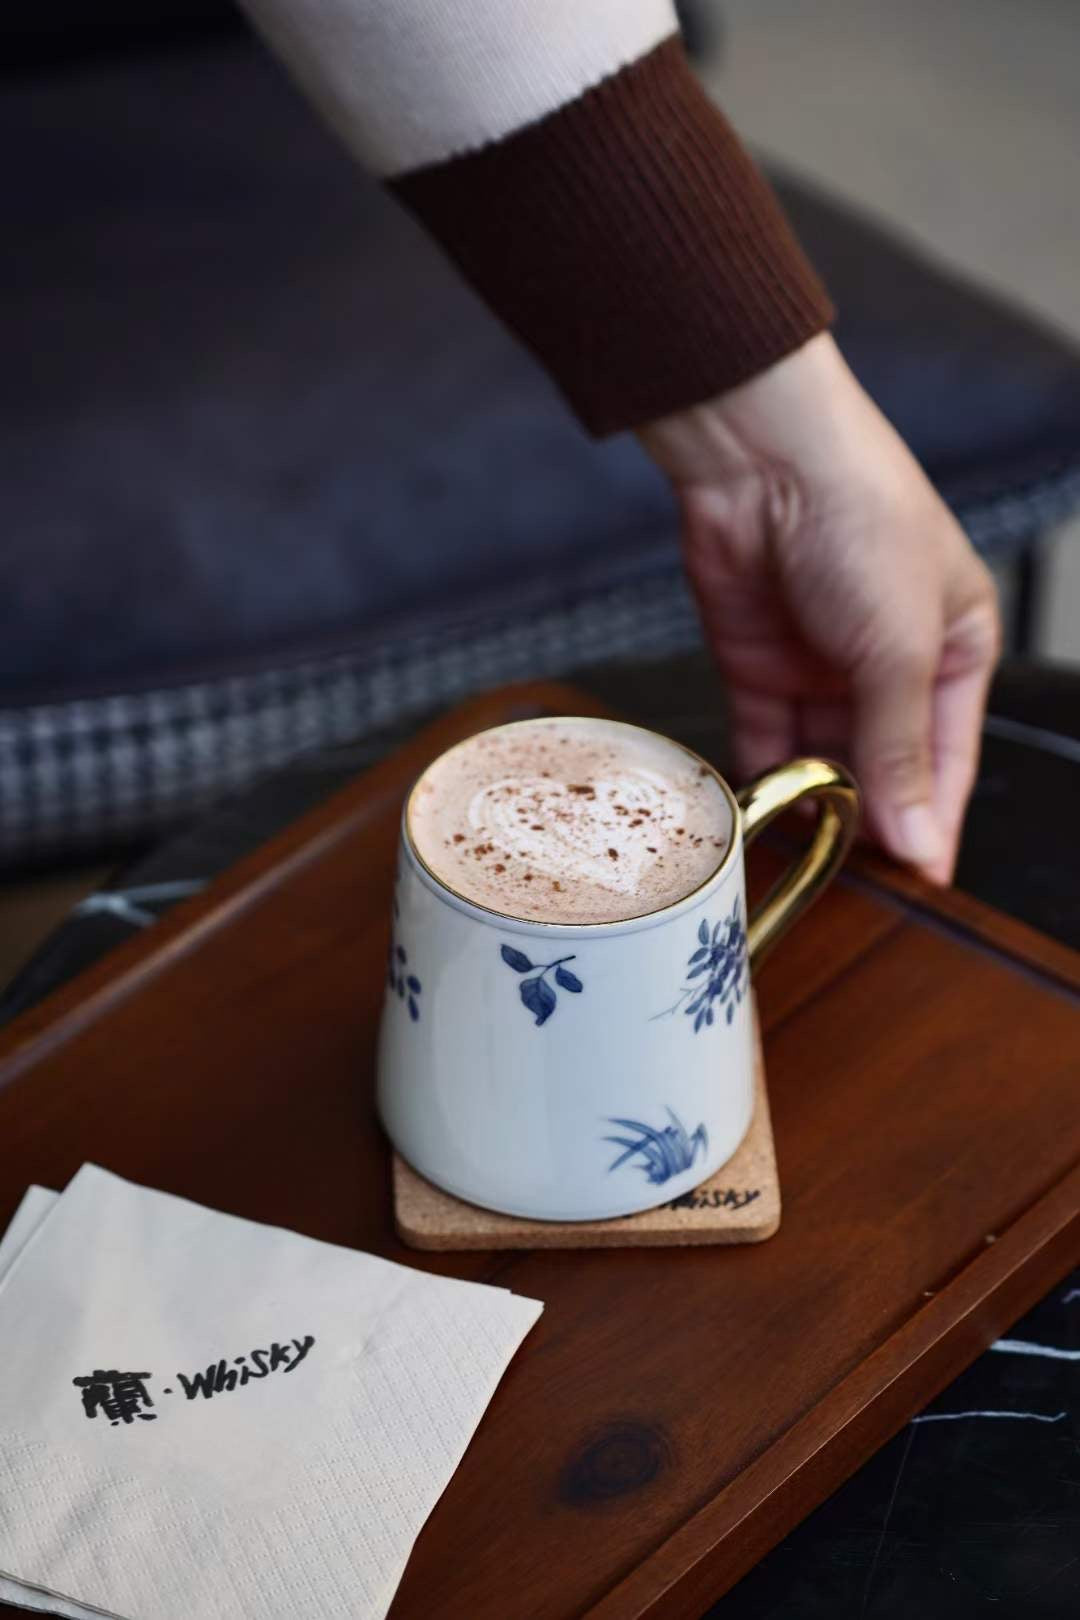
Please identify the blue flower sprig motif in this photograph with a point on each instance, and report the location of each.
(406, 984)
(716, 972)
(535, 992)
(660, 1153)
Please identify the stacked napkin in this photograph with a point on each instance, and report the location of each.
(202, 1418)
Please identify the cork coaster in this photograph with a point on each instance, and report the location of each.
(740, 1203)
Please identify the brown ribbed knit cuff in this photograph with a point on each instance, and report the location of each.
(631, 243)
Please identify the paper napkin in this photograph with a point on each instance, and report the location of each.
(27, 1218)
(204, 1418)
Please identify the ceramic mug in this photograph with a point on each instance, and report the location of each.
(577, 1071)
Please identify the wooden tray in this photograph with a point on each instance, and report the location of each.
(675, 1411)
(740, 1203)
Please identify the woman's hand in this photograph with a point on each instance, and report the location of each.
(840, 597)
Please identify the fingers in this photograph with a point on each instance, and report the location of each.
(763, 731)
(958, 711)
(892, 749)
(916, 728)
(959, 704)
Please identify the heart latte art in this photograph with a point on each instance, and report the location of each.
(603, 832)
(577, 821)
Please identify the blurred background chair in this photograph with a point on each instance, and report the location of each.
(276, 479)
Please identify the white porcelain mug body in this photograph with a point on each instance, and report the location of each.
(574, 1072)
(566, 1073)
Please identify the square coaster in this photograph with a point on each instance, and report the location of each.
(740, 1203)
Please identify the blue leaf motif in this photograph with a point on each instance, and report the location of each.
(703, 932)
(535, 992)
(539, 997)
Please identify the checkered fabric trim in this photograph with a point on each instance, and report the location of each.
(1006, 518)
(101, 770)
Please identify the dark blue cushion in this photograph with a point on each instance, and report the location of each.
(254, 411)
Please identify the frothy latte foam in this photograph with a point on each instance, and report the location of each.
(574, 821)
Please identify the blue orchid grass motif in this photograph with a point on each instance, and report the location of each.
(660, 1153)
(406, 984)
(716, 973)
(535, 992)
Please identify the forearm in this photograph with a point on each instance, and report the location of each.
(565, 157)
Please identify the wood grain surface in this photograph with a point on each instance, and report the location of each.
(675, 1411)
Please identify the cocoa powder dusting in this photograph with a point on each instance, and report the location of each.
(578, 812)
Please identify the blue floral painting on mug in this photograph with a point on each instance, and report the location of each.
(398, 974)
(538, 995)
(661, 1153)
(716, 975)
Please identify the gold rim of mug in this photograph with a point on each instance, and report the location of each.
(589, 719)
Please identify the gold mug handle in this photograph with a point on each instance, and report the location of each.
(799, 887)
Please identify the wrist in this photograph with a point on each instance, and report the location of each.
(806, 402)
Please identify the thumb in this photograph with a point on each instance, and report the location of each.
(893, 760)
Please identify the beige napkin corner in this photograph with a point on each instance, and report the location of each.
(204, 1418)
